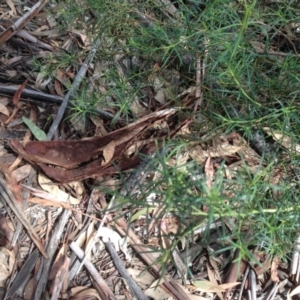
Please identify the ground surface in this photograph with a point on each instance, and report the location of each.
(149, 150)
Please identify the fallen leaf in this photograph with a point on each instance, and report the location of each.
(210, 287)
(156, 292)
(4, 110)
(108, 152)
(283, 139)
(39, 134)
(68, 154)
(143, 278)
(6, 230)
(209, 172)
(12, 7)
(15, 100)
(7, 261)
(53, 189)
(86, 294)
(22, 172)
(18, 93)
(30, 289)
(274, 269)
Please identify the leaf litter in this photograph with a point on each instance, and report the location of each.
(56, 215)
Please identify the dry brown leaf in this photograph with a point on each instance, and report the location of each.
(7, 261)
(18, 93)
(15, 100)
(143, 278)
(68, 154)
(52, 188)
(84, 38)
(108, 152)
(156, 292)
(7, 230)
(30, 289)
(22, 172)
(209, 172)
(58, 88)
(4, 110)
(212, 278)
(78, 188)
(45, 202)
(210, 287)
(283, 139)
(198, 154)
(236, 268)
(12, 183)
(59, 271)
(86, 294)
(274, 269)
(12, 7)
(214, 264)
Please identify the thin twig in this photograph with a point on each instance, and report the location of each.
(120, 267)
(97, 234)
(252, 279)
(74, 87)
(107, 293)
(243, 283)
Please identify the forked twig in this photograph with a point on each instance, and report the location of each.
(104, 289)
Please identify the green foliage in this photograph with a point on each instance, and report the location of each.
(243, 88)
(39, 134)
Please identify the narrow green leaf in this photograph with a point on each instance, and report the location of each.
(141, 212)
(39, 134)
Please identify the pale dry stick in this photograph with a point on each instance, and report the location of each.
(272, 292)
(122, 271)
(298, 271)
(77, 80)
(21, 22)
(200, 72)
(149, 259)
(97, 234)
(243, 283)
(27, 36)
(89, 211)
(107, 293)
(198, 92)
(51, 249)
(295, 259)
(252, 278)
